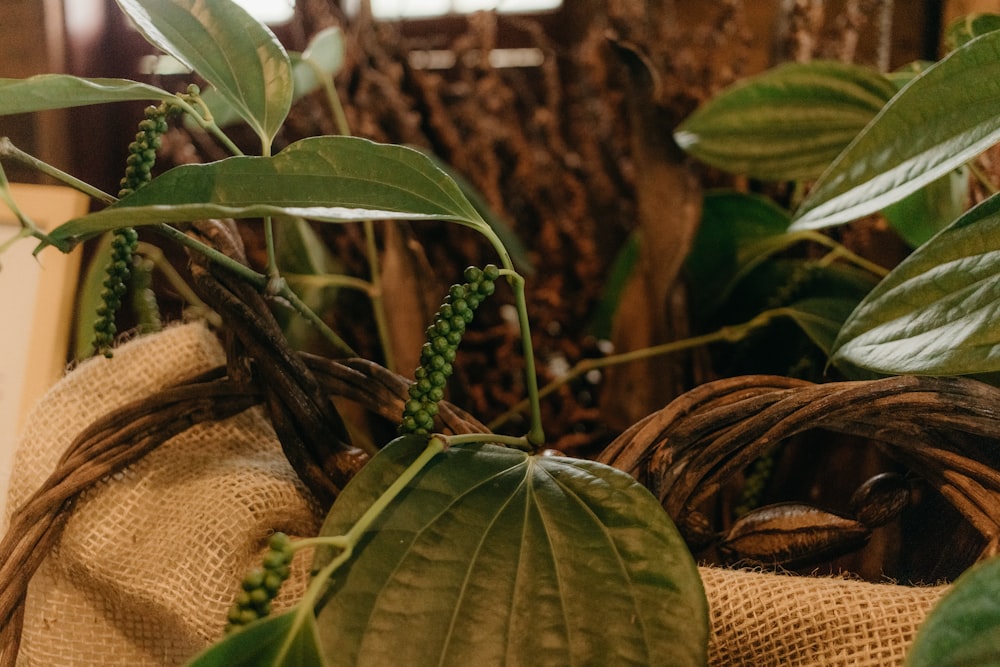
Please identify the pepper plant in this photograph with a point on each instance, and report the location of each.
(497, 553)
(856, 143)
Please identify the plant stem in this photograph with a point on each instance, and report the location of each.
(281, 288)
(348, 541)
(258, 280)
(155, 255)
(536, 433)
(375, 292)
(205, 121)
(377, 296)
(8, 149)
(330, 280)
(510, 441)
(840, 250)
(727, 334)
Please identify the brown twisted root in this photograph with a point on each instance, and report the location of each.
(943, 429)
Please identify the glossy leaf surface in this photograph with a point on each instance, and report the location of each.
(942, 118)
(495, 557)
(276, 641)
(334, 179)
(233, 51)
(62, 91)
(788, 123)
(962, 629)
(935, 313)
(324, 56)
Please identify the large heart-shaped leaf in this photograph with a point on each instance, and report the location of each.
(788, 123)
(496, 557)
(233, 51)
(962, 629)
(937, 312)
(62, 91)
(944, 117)
(334, 179)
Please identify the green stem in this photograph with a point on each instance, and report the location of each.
(377, 296)
(330, 280)
(8, 149)
(508, 440)
(349, 540)
(205, 121)
(375, 291)
(536, 433)
(842, 251)
(258, 280)
(281, 288)
(333, 99)
(156, 256)
(728, 334)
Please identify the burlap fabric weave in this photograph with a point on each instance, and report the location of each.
(150, 560)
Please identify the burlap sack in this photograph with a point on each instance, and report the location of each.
(150, 561)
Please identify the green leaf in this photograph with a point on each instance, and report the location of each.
(921, 215)
(233, 51)
(495, 557)
(821, 318)
(62, 91)
(271, 642)
(963, 627)
(966, 28)
(936, 312)
(737, 232)
(943, 118)
(788, 123)
(324, 54)
(333, 179)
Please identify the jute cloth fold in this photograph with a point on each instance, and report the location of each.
(151, 559)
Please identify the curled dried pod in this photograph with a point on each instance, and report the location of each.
(880, 499)
(697, 530)
(792, 534)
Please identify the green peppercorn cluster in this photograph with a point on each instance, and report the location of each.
(116, 275)
(142, 156)
(142, 151)
(261, 584)
(438, 353)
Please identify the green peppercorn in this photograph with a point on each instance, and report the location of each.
(438, 352)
